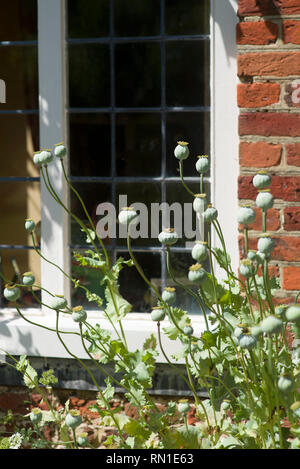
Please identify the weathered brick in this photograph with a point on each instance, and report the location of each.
(292, 218)
(293, 154)
(258, 94)
(287, 248)
(269, 124)
(292, 94)
(291, 31)
(268, 7)
(282, 187)
(256, 32)
(277, 64)
(260, 154)
(291, 278)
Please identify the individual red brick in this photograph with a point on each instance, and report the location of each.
(291, 278)
(14, 401)
(256, 33)
(292, 218)
(260, 154)
(292, 94)
(277, 64)
(287, 248)
(291, 31)
(268, 7)
(258, 94)
(282, 187)
(293, 154)
(269, 124)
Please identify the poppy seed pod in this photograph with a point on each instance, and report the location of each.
(79, 314)
(210, 214)
(237, 332)
(246, 215)
(29, 225)
(169, 295)
(36, 158)
(264, 199)
(188, 330)
(261, 180)
(256, 331)
(200, 203)
(181, 151)
(168, 236)
(271, 325)
(60, 150)
(73, 418)
(127, 216)
(184, 406)
(197, 274)
(82, 439)
(285, 383)
(157, 314)
(261, 257)
(58, 302)
(251, 255)
(28, 278)
(246, 268)
(200, 251)
(36, 415)
(265, 244)
(292, 314)
(45, 157)
(11, 292)
(202, 165)
(247, 341)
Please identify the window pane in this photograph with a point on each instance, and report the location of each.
(19, 70)
(89, 69)
(90, 144)
(18, 21)
(19, 139)
(137, 18)
(88, 18)
(13, 264)
(189, 17)
(189, 127)
(137, 75)
(138, 144)
(187, 73)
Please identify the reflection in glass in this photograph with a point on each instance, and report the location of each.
(137, 74)
(18, 21)
(189, 127)
(189, 17)
(88, 18)
(137, 18)
(89, 78)
(90, 144)
(19, 70)
(138, 144)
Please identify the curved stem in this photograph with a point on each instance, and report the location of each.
(182, 179)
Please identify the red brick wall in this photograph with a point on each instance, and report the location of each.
(268, 38)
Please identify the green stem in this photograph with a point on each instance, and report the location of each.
(74, 438)
(182, 179)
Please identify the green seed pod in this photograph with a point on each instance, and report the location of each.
(73, 419)
(246, 268)
(265, 244)
(237, 332)
(295, 408)
(36, 415)
(261, 180)
(280, 310)
(78, 314)
(200, 251)
(29, 225)
(28, 279)
(11, 292)
(246, 215)
(251, 255)
(58, 302)
(60, 150)
(45, 157)
(210, 214)
(157, 314)
(188, 330)
(202, 165)
(197, 274)
(271, 325)
(256, 331)
(264, 200)
(128, 216)
(36, 158)
(181, 151)
(169, 295)
(82, 439)
(200, 203)
(292, 314)
(183, 406)
(168, 236)
(247, 341)
(285, 383)
(261, 257)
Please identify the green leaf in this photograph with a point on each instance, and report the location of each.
(30, 377)
(117, 307)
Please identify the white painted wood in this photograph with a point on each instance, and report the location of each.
(224, 123)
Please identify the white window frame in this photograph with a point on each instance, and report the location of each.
(18, 336)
